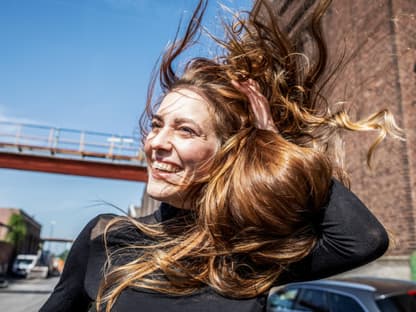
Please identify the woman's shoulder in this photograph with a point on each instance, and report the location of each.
(118, 229)
(99, 223)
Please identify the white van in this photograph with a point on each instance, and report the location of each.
(23, 264)
(29, 266)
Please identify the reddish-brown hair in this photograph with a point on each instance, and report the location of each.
(253, 212)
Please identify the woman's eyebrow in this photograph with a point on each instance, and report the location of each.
(182, 120)
(156, 116)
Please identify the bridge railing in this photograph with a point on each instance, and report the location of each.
(30, 138)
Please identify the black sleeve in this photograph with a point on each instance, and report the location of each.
(69, 294)
(349, 236)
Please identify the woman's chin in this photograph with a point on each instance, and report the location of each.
(164, 192)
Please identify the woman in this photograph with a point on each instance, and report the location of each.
(242, 154)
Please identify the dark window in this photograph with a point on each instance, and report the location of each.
(340, 303)
(24, 261)
(401, 303)
(282, 299)
(312, 300)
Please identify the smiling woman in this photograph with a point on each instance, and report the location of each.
(242, 152)
(181, 143)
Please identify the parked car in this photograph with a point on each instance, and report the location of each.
(359, 294)
(27, 265)
(23, 264)
(3, 282)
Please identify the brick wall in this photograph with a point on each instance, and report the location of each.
(405, 41)
(32, 239)
(379, 38)
(381, 75)
(4, 218)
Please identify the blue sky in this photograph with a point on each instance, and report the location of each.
(80, 64)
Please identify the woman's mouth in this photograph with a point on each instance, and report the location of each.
(165, 167)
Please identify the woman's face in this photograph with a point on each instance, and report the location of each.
(181, 142)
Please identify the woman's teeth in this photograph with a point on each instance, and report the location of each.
(165, 167)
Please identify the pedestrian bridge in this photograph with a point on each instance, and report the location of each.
(68, 151)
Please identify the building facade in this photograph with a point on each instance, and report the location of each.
(379, 41)
(29, 245)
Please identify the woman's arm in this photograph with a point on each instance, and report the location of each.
(69, 294)
(350, 236)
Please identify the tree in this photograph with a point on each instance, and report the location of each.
(64, 255)
(17, 229)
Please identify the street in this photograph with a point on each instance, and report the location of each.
(26, 295)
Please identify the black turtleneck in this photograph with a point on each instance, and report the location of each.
(349, 236)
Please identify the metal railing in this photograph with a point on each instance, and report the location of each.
(30, 138)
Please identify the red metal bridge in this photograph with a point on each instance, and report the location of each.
(67, 151)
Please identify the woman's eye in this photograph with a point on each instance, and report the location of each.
(155, 125)
(187, 130)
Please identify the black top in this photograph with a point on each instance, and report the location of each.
(350, 236)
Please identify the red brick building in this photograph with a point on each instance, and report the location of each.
(382, 75)
(29, 245)
(380, 36)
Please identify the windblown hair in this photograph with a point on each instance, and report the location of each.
(254, 213)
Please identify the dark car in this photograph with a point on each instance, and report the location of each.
(358, 294)
(3, 282)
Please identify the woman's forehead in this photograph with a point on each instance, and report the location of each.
(183, 101)
(186, 104)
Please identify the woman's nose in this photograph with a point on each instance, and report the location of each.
(161, 140)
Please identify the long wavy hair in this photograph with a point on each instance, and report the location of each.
(253, 213)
